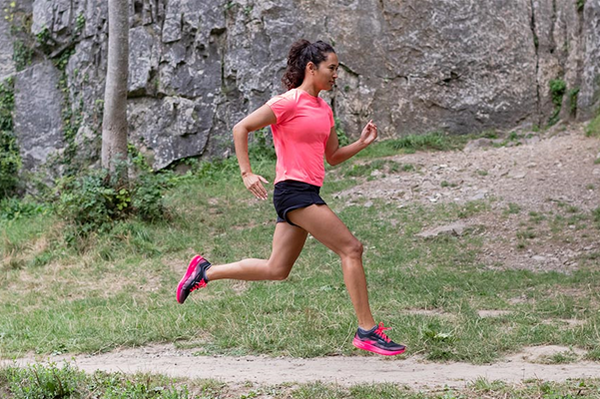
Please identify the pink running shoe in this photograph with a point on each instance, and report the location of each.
(376, 341)
(195, 277)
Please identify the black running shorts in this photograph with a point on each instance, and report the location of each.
(291, 194)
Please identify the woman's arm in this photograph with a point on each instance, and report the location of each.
(336, 154)
(258, 119)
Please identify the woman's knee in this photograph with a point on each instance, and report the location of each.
(353, 249)
(278, 272)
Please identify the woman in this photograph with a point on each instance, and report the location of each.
(303, 134)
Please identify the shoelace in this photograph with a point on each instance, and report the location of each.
(379, 332)
(199, 284)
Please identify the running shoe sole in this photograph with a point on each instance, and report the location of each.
(369, 346)
(192, 266)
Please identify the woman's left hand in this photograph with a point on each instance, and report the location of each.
(369, 133)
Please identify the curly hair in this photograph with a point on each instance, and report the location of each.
(301, 53)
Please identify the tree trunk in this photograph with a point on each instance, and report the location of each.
(114, 122)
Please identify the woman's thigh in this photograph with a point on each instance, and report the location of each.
(323, 224)
(288, 242)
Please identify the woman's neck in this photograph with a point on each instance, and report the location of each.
(309, 88)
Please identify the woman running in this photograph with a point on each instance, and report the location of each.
(303, 134)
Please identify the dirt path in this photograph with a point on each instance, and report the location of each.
(345, 371)
(554, 173)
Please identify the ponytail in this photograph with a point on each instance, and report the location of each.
(301, 53)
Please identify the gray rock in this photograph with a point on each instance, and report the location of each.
(479, 196)
(37, 119)
(169, 129)
(588, 100)
(143, 61)
(7, 66)
(516, 174)
(414, 66)
(477, 144)
(455, 229)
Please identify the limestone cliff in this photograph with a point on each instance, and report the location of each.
(197, 66)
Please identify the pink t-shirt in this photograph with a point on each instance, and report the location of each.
(300, 136)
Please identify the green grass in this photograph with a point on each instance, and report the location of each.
(66, 381)
(117, 288)
(593, 127)
(411, 143)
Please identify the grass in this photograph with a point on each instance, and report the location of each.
(118, 289)
(66, 381)
(593, 127)
(411, 143)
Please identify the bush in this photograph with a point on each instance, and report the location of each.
(13, 208)
(558, 88)
(343, 139)
(261, 148)
(148, 195)
(10, 159)
(92, 202)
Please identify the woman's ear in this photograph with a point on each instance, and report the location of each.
(311, 67)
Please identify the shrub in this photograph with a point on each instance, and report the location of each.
(558, 88)
(341, 135)
(148, 195)
(10, 159)
(13, 208)
(92, 202)
(261, 148)
(573, 94)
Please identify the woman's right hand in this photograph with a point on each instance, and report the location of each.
(254, 183)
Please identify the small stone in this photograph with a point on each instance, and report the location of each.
(517, 175)
(456, 229)
(478, 143)
(477, 197)
(427, 185)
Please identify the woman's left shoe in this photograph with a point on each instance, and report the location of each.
(376, 341)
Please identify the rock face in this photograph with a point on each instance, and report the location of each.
(198, 66)
(37, 116)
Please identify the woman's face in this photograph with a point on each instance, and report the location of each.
(326, 73)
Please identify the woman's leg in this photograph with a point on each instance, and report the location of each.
(288, 242)
(325, 226)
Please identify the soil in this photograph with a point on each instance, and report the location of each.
(542, 189)
(544, 185)
(413, 371)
